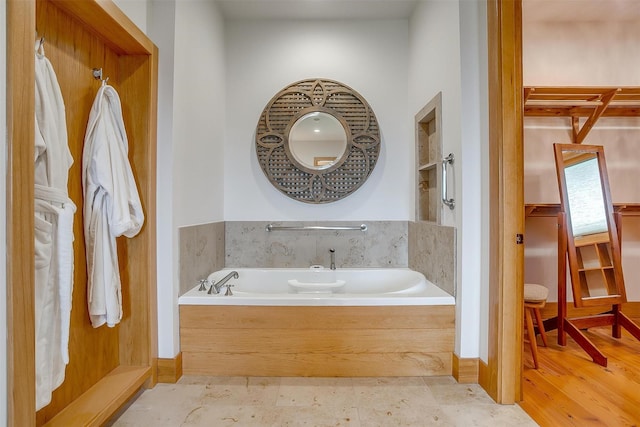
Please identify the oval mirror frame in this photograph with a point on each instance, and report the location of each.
(322, 129)
(343, 175)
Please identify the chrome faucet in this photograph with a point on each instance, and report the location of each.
(215, 287)
(203, 284)
(332, 253)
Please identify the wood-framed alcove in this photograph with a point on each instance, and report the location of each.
(112, 363)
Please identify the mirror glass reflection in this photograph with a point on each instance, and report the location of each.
(317, 140)
(584, 191)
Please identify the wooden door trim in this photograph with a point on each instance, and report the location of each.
(503, 376)
(20, 218)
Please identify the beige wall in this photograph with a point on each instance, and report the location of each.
(580, 54)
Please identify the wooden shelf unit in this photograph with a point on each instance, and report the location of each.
(552, 209)
(580, 102)
(594, 263)
(107, 365)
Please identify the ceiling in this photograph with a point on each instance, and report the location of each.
(316, 9)
(533, 10)
(580, 10)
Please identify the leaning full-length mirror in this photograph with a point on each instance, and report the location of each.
(592, 238)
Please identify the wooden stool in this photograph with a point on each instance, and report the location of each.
(535, 297)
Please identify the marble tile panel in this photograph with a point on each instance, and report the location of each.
(241, 391)
(460, 394)
(387, 244)
(488, 415)
(245, 244)
(333, 392)
(440, 380)
(392, 393)
(288, 249)
(432, 251)
(225, 415)
(384, 244)
(317, 416)
(166, 405)
(318, 402)
(422, 416)
(202, 249)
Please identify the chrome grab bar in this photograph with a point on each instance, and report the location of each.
(445, 199)
(362, 227)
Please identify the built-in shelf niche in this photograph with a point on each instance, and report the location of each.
(428, 124)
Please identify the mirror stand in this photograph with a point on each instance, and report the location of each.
(590, 244)
(574, 326)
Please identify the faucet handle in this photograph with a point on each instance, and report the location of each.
(203, 284)
(228, 293)
(212, 289)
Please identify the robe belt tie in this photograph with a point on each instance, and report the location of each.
(46, 199)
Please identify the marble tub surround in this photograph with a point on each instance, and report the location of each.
(432, 252)
(248, 244)
(202, 249)
(269, 401)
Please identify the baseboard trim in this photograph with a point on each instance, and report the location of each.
(170, 370)
(465, 371)
(485, 380)
(631, 309)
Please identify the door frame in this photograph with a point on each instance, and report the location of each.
(501, 377)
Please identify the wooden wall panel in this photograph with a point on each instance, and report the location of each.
(255, 317)
(79, 35)
(74, 52)
(317, 341)
(20, 278)
(138, 93)
(318, 365)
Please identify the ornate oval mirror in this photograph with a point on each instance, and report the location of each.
(317, 140)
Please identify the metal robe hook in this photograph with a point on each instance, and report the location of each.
(97, 74)
(40, 44)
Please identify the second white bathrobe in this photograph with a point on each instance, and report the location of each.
(112, 205)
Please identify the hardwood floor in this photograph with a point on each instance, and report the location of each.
(569, 389)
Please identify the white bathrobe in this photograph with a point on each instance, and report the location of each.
(112, 206)
(53, 232)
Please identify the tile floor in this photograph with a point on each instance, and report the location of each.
(315, 402)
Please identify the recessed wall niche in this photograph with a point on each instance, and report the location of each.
(428, 124)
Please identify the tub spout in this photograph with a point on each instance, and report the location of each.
(215, 287)
(332, 253)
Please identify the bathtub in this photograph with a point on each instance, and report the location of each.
(318, 286)
(318, 322)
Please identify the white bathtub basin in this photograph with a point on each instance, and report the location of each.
(357, 287)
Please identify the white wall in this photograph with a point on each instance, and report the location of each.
(199, 113)
(473, 269)
(162, 32)
(444, 36)
(555, 54)
(3, 218)
(434, 66)
(136, 10)
(190, 140)
(191, 132)
(263, 57)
